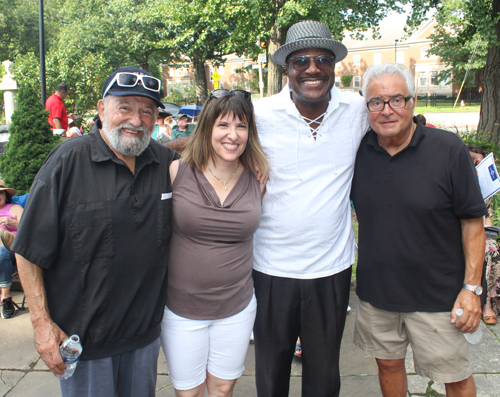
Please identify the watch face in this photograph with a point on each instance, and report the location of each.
(479, 290)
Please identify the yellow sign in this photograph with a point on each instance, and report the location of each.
(215, 76)
(216, 85)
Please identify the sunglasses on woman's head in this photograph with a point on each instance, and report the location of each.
(221, 93)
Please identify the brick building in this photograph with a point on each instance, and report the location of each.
(394, 45)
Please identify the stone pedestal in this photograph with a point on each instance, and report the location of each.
(9, 100)
(9, 88)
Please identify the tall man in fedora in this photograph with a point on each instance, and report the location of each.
(305, 244)
(92, 246)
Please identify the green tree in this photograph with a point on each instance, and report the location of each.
(123, 32)
(31, 140)
(346, 80)
(465, 27)
(84, 75)
(19, 23)
(207, 30)
(180, 94)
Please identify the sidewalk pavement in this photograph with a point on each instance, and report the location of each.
(23, 374)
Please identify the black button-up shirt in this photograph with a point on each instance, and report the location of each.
(102, 235)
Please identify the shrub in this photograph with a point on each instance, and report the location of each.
(346, 80)
(31, 140)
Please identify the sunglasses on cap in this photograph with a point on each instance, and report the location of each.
(129, 79)
(302, 63)
(221, 93)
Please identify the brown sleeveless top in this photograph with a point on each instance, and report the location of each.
(211, 250)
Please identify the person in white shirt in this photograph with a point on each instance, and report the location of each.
(305, 244)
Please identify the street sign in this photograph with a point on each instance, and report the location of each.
(216, 85)
(215, 76)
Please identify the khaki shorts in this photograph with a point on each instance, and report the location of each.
(440, 352)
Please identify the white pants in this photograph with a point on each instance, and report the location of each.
(193, 347)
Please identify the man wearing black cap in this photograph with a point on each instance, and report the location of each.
(305, 244)
(93, 245)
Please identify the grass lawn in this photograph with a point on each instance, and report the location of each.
(444, 107)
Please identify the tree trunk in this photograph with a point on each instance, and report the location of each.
(200, 81)
(489, 120)
(274, 71)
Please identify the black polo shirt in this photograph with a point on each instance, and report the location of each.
(409, 208)
(102, 235)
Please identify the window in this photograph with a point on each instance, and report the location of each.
(233, 69)
(423, 52)
(422, 79)
(184, 71)
(221, 70)
(337, 81)
(171, 72)
(434, 77)
(377, 58)
(357, 81)
(178, 72)
(211, 73)
(356, 60)
(400, 57)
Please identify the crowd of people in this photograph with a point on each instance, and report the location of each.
(253, 223)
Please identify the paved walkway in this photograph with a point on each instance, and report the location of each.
(23, 374)
(462, 121)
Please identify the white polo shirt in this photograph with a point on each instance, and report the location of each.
(305, 230)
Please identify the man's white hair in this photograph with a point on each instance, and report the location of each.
(377, 70)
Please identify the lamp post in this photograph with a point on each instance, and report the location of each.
(396, 50)
(42, 53)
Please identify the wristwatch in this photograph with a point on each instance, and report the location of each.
(477, 289)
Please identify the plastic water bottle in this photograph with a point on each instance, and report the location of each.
(473, 337)
(71, 350)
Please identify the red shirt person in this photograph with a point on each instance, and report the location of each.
(57, 117)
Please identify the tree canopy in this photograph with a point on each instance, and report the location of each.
(465, 27)
(87, 39)
(206, 30)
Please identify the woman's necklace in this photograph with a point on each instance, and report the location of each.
(224, 183)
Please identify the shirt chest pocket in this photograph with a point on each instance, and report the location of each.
(165, 220)
(91, 231)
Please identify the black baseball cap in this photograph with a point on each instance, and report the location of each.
(137, 90)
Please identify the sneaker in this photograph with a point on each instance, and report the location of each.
(8, 310)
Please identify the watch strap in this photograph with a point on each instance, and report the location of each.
(471, 288)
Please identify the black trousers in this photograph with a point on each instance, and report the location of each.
(313, 309)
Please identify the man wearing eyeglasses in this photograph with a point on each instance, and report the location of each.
(305, 244)
(421, 240)
(93, 246)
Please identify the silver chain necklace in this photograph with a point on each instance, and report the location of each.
(224, 183)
